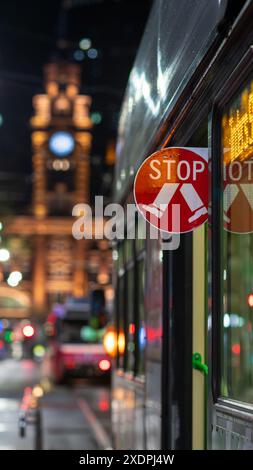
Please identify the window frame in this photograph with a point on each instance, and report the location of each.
(232, 85)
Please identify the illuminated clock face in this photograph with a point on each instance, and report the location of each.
(61, 144)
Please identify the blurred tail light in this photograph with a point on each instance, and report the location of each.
(104, 365)
(69, 363)
(103, 404)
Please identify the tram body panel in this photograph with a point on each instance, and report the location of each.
(123, 411)
(153, 406)
(118, 411)
(128, 418)
(139, 424)
(231, 433)
(199, 338)
(153, 304)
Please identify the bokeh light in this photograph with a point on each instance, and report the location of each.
(4, 255)
(85, 44)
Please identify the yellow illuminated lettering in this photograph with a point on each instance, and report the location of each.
(237, 126)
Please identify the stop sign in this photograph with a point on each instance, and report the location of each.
(171, 189)
(238, 196)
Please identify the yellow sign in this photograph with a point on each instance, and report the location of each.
(237, 126)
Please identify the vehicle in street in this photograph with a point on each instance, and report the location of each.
(77, 348)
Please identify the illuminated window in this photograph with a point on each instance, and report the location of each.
(237, 247)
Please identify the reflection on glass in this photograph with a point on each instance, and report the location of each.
(121, 318)
(120, 256)
(131, 321)
(142, 329)
(237, 247)
(121, 342)
(129, 250)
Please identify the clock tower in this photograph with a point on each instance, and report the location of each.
(61, 141)
(55, 265)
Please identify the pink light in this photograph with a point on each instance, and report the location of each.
(104, 365)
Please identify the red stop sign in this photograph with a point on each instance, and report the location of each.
(171, 189)
(238, 196)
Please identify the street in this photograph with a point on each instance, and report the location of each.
(73, 417)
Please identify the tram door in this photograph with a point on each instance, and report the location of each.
(198, 338)
(198, 138)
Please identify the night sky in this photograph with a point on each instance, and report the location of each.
(30, 35)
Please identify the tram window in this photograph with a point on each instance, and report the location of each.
(130, 322)
(129, 250)
(120, 256)
(141, 234)
(237, 247)
(141, 335)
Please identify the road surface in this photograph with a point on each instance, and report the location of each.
(74, 417)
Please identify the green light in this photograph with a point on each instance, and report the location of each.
(39, 350)
(88, 334)
(8, 336)
(1, 119)
(96, 118)
(1, 226)
(85, 44)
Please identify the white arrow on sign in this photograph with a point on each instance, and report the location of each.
(162, 200)
(231, 191)
(248, 192)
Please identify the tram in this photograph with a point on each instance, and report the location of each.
(78, 337)
(184, 379)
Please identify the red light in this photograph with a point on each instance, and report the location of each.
(236, 348)
(131, 328)
(28, 331)
(250, 300)
(27, 391)
(104, 365)
(1, 344)
(70, 363)
(103, 404)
